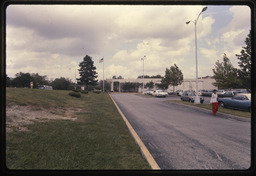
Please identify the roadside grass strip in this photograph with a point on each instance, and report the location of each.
(97, 140)
(221, 110)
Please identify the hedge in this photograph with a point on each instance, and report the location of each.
(75, 94)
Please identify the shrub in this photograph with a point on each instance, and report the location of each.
(97, 91)
(84, 91)
(75, 94)
(76, 90)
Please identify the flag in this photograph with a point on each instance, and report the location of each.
(101, 60)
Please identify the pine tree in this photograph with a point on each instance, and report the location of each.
(245, 63)
(87, 73)
(225, 75)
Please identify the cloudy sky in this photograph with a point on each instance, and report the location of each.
(52, 39)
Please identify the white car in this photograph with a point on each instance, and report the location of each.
(220, 92)
(159, 93)
(149, 92)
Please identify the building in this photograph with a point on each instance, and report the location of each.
(188, 84)
(205, 83)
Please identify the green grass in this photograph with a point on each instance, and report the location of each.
(223, 110)
(99, 139)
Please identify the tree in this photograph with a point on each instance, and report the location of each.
(119, 77)
(245, 63)
(225, 75)
(39, 80)
(156, 76)
(107, 85)
(62, 84)
(8, 81)
(173, 76)
(87, 73)
(145, 76)
(150, 84)
(22, 80)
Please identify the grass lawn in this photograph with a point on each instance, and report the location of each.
(97, 139)
(223, 110)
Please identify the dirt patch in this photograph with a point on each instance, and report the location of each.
(19, 117)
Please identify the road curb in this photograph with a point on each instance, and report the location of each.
(151, 161)
(221, 114)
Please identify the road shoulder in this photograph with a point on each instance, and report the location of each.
(219, 114)
(142, 146)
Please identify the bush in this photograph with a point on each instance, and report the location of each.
(97, 91)
(84, 91)
(75, 90)
(75, 94)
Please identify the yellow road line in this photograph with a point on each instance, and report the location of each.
(143, 148)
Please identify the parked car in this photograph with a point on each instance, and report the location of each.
(171, 92)
(240, 90)
(200, 92)
(220, 92)
(179, 92)
(190, 96)
(45, 87)
(239, 101)
(159, 93)
(207, 93)
(149, 92)
(228, 94)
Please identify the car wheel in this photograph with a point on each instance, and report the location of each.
(221, 104)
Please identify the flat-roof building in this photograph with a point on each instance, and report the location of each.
(187, 84)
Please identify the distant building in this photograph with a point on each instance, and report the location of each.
(203, 83)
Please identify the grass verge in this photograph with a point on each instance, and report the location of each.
(223, 110)
(98, 139)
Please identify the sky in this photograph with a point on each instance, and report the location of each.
(52, 40)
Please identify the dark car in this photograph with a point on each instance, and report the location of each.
(229, 94)
(239, 101)
(190, 96)
(206, 93)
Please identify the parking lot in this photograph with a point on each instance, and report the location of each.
(181, 137)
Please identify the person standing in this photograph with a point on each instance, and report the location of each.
(214, 101)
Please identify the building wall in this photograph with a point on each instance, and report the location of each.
(188, 84)
(203, 83)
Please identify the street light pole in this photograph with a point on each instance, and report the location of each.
(197, 99)
(143, 75)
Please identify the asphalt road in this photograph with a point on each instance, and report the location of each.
(180, 137)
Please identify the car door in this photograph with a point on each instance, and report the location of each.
(243, 102)
(238, 101)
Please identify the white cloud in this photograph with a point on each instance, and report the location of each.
(51, 40)
(118, 70)
(210, 54)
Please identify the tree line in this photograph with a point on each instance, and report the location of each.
(23, 80)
